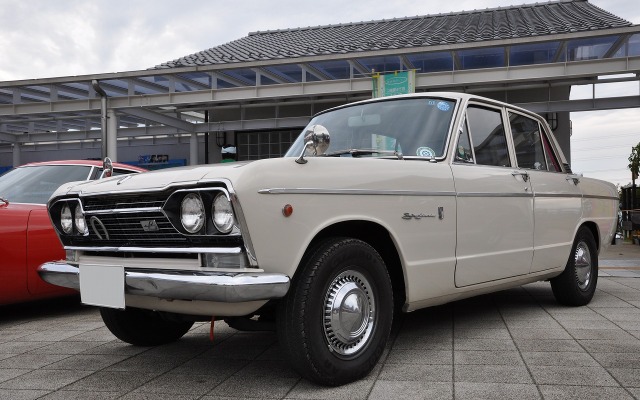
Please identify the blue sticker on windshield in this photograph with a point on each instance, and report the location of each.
(425, 152)
(443, 106)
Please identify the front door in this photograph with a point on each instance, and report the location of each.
(494, 202)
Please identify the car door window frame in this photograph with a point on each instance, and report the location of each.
(465, 123)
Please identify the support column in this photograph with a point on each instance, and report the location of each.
(112, 135)
(193, 149)
(16, 155)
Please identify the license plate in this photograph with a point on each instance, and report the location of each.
(102, 285)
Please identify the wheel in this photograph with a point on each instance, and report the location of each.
(143, 327)
(334, 323)
(577, 283)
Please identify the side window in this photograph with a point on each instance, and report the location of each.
(463, 151)
(552, 162)
(488, 136)
(527, 142)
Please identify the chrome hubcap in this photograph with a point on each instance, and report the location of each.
(582, 258)
(349, 313)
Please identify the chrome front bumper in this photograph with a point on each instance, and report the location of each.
(228, 287)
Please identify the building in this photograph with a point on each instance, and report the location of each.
(258, 91)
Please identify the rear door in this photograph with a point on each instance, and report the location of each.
(557, 197)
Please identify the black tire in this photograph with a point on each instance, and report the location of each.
(333, 348)
(143, 327)
(577, 283)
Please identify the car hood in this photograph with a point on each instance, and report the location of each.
(153, 180)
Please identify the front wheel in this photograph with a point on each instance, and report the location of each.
(334, 323)
(577, 283)
(143, 327)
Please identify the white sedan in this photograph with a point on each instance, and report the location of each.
(380, 206)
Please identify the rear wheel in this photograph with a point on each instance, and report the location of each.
(577, 284)
(334, 323)
(143, 327)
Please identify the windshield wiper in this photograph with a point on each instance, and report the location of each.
(5, 201)
(359, 152)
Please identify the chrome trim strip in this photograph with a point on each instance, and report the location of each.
(488, 194)
(559, 195)
(593, 196)
(229, 287)
(370, 192)
(182, 250)
(125, 210)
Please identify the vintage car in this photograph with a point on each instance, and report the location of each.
(27, 238)
(380, 206)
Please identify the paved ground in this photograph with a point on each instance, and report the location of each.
(514, 344)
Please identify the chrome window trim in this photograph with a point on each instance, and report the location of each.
(368, 192)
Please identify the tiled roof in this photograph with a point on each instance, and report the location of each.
(527, 20)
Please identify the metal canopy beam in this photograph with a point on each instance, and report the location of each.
(160, 118)
(7, 137)
(530, 74)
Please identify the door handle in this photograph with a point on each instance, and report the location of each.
(523, 174)
(575, 178)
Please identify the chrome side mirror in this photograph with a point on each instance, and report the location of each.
(107, 168)
(316, 138)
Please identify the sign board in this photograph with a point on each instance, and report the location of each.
(399, 82)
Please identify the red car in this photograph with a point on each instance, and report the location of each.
(27, 238)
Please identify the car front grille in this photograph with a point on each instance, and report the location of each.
(137, 221)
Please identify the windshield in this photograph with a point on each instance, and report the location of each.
(414, 127)
(36, 184)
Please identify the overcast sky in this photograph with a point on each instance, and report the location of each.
(45, 38)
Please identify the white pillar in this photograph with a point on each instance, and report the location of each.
(193, 149)
(112, 135)
(16, 155)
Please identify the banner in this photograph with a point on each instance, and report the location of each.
(399, 82)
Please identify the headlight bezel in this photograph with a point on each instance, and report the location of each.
(66, 215)
(222, 204)
(172, 209)
(195, 204)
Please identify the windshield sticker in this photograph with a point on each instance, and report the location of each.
(425, 152)
(443, 106)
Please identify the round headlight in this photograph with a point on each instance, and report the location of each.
(192, 213)
(81, 223)
(66, 220)
(222, 213)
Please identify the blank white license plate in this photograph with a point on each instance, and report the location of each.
(102, 285)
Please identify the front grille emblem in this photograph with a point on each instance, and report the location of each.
(98, 228)
(150, 225)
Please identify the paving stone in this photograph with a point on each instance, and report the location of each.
(411, 390)
(179, 384)
(86, 362)
(14, 394)
(558, 345)
(43, 379)
(420, 357)
(628, 377)
(538, 358)
(601, 334)
(487, 357)
(30, 361)
(108, 381)
(80, 395)
(539, 333)
(262, 387)
(563, 375)
(423, 343)
(561, 392)
(503, 391)
(413, 372)
(611, 346)
(484, 344)
(491, 374)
